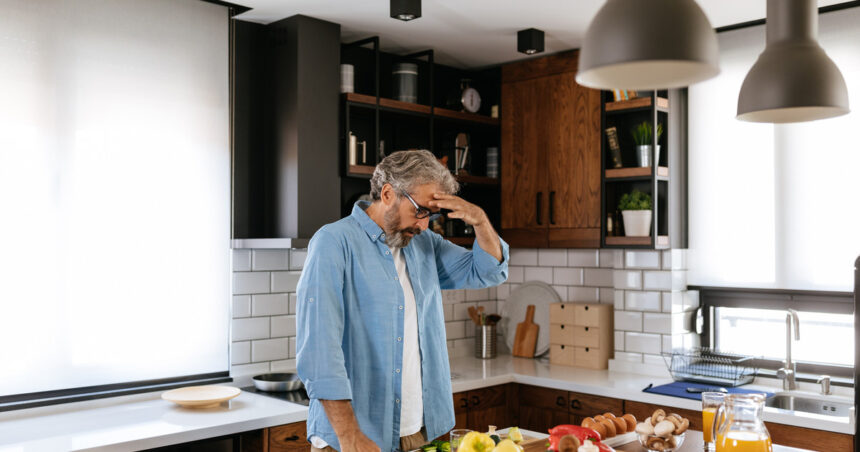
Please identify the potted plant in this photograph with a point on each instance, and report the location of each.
(635, 207)
(642, 134)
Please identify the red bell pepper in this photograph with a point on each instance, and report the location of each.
(580, 433)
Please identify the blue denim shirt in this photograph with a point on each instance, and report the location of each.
(350, 314)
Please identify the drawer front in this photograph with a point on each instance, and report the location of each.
(546, 399)
(562, 334)
(586, 315)
(590, 358)
(289, 438)
(561, 313)
(561, 354)
(586, 336)
(588, 405)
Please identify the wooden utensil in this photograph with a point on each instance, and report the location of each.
(473, 313)
(526, 337)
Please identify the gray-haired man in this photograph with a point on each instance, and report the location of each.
(371, 331)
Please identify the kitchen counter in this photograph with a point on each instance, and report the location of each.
(146, 421)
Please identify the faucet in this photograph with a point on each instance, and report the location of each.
(788, 371)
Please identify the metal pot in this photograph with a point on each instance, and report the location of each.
(278, 382)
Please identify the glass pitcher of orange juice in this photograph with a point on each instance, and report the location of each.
(739, 426)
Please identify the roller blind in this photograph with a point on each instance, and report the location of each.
(114, 192)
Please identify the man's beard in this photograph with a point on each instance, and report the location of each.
(395, 237)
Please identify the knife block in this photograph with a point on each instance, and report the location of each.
(581, 334)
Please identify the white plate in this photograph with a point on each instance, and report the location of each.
(201, 396)
(619, 440)
(533, 292)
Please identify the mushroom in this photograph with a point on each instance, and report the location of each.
(685, 424)
(664, 429)
(658, 416)
(644, 428)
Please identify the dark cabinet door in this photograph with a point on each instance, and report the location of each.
(461, 409)
(289, 438)
(487, 407)
(541, 419)
(542, 408)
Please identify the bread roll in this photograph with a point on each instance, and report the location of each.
(631, 421)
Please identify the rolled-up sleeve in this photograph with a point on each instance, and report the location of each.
(320, 320)
(460, 268)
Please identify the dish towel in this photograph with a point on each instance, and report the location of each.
(679, 389)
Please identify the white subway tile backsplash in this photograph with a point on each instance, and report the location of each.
(294, 299)
(249, 369)
(691, 300)
(619, 299)
(653, 360)
(628, 321)
(607, 258)
(627, 279)
(283, 326)
(667, 343)
(270, 304)
(543, 274)
(582, 258)
(453, 296)
(567, 276)
(601, 277)
(297, 258)
(250, 282)
(657, 323)
(241, 306)
(643, 342)
(477, 294)
(619, 340)
(250, 328)
(552, 258)
(240, 352)
(524, 256)
(628, 357)
(503, 291)
(673, 301)
(285, 281)
(293, 347)
(270, 260)
(461, 310)
(241, 260)
(642, 259)
(270, 349)
(642, 301)
(607, 295)
(618, 263)
(448, 312)
(284, 365)
(675, 259)
(657, 280)
(455, 330)
(561, 291)
(489, 307)
(516, 274)
(583, 294)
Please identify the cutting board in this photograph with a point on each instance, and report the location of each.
(526, 337)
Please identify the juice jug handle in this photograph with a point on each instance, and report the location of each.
(715, 426)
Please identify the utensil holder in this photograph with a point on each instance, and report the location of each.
(485, 341)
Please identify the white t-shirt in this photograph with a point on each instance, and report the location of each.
(411, 396)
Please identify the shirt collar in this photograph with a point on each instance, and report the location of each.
(370, 227)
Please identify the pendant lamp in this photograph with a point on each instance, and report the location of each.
(793, 80)
(648, 44)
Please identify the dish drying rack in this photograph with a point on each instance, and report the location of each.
(710, 366)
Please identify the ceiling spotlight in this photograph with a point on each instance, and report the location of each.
(646, 45)
(530, 41)
(793, 80)
(405, 10)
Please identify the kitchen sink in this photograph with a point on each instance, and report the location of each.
(825, 405)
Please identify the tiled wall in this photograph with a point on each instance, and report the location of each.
(264, 308)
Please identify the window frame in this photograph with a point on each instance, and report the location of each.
(830, 302)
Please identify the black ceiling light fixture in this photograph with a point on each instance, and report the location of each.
(530, 41)
(405, 10)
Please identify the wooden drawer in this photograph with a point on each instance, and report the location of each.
(544, 398)
(289, 438)
(561, 313)
(587, 314)
(562, 334)
(590, 358)
(591, 405)
(585, 336)
(561, 354)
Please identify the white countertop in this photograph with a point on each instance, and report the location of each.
(146, 421)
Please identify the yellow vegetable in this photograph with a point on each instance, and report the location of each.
(506, 445)
(476, 442)
(515, 435)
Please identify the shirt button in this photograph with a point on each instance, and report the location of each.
(397, 370)
(388, 252)
(311, 299)
(395, 278)
(400, 307)
(399, 339)
(397, 400)
(373, 237)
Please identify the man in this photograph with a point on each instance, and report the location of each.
(371, 344)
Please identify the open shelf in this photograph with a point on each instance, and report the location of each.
(637, 103)
(408, 107)
(360, 98)
(401, 106)
(462, 241)
(469, 117)
(662, 241)
(477, 180)
(636, 172)
(360, 170)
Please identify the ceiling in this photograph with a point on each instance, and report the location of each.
(474, 33)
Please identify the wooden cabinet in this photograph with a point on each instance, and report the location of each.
(479, 408)
(581, 334)
(543, 408)
(550, 155)
(288, 438)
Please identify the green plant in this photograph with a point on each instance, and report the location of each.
(642, 133)
(635, 200)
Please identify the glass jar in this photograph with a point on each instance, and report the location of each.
(739, 426)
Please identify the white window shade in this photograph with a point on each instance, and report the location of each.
(115, 192)
(773, 206)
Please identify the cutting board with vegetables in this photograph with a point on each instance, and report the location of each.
(527, 334)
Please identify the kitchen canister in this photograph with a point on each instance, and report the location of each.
(405, 82)
(347, 78)
(493, 162)
(485, 341)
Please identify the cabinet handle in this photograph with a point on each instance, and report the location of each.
(292, 438)
(559, 401)
(476, 401)
(575, 404)
(552, 207)
(464, 403)
(537, 207)
(586, 328)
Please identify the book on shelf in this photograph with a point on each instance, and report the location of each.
(614, 147)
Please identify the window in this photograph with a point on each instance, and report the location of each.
(115, 194)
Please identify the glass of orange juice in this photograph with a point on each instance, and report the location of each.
(711, 402)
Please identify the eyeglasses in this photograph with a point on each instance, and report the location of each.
(422, 212)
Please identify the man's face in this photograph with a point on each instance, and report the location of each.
(400, 224)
